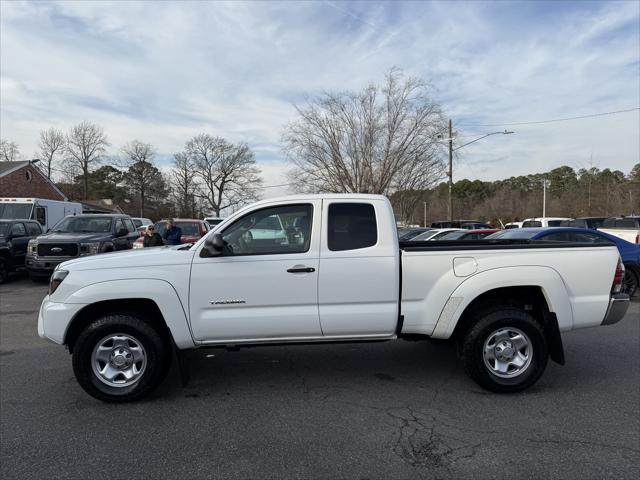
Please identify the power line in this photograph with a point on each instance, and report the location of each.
(274, 186)
(602, 114)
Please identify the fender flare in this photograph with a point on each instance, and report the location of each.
(546, 278)
(160, 292)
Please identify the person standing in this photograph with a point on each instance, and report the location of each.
(172, 234)
(152, 238)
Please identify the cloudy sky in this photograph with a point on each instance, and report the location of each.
(162, 72)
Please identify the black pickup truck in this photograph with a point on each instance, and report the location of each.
(14, 237)
(78, 236)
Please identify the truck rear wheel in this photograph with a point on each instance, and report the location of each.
(505, 350)
(120, 358)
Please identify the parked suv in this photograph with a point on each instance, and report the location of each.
(79, 236)
(14, 237)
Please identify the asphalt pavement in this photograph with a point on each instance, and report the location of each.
(391, 410)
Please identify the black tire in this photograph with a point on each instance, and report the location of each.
(630, 282)
(485, 325)
(156, 348)
(4, 270)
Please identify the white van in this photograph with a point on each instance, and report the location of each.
(46, 212)
(543, 222)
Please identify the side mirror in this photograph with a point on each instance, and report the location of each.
(213, 245)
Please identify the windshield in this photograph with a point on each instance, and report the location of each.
(83, 225)
(515, 234)
(453, 236)
(4, 229)
(191, 228)
(186, 228)
(423, 236)
(409, 234)
(9, 211)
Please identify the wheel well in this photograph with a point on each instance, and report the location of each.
(528, 298)
(147, 309)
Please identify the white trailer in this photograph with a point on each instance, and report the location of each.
(46, 212)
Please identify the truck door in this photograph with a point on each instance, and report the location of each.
(19, 239)
(264, 284)
(359, 269)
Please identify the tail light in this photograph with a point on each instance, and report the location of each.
(618, 278)
(638, 239)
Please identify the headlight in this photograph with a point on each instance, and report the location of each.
(32, 247)
(92, 248)
(56, 279)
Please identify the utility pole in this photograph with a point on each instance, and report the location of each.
(425, 212)
(544, 198)
(450, 209)
(451, 149)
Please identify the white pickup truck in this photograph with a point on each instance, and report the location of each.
(339, 275)
(626, 228)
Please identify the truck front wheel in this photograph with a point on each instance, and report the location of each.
(120, 358)
(505, 350)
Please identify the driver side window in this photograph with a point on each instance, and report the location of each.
(270, 231)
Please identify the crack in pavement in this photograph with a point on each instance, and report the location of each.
(421, 442)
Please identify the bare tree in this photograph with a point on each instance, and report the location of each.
(52, 144)
(228, 174)
(379, 140)
(183, 185)
(9, 151)
(86, 143)
(142, 176)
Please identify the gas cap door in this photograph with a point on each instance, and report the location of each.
(464, 266)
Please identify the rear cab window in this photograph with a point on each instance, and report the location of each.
(18, 230)
(351, 226)
(630, 223)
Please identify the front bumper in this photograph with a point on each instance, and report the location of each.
(54, 319)
(40, 266)
(618, 306)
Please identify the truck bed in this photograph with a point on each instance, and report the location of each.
(440, 278)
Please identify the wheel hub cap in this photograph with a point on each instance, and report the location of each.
(121, 358)
(504, 350)
(507, 352)
(118, 360)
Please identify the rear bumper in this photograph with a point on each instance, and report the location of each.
(618, 305)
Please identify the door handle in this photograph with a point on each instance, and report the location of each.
(301, 270)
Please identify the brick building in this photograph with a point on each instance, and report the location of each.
(23, 179)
